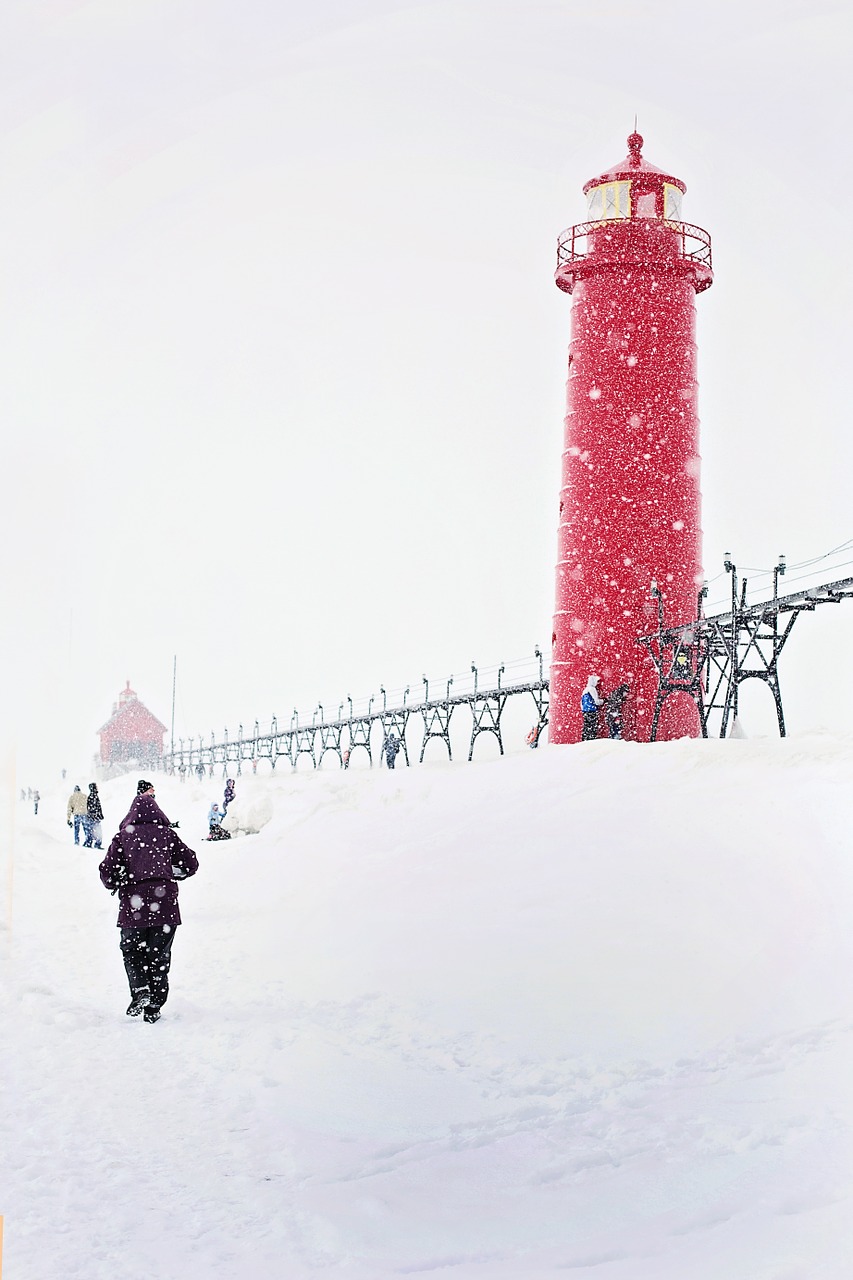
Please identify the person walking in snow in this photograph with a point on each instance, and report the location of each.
(613, 705)
(392, 749)
(230, 792)
(144, 862)
(36, 798)
(78, 811)
(94, 818)
(590, 702)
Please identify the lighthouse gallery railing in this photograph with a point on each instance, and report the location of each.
(572, 245)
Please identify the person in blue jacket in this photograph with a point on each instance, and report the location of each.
(591, 700)
(214, 822)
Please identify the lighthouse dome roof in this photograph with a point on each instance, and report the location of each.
(635, 165)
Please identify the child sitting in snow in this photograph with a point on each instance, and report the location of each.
(214, 822)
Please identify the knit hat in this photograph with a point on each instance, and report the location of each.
(142, 786)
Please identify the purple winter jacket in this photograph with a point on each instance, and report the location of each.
(143, 862)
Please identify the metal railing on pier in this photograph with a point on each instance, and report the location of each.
(484, 692)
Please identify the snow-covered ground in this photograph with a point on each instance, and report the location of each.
(584, 1011)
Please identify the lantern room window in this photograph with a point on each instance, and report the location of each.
(672, 198)
(610, 200)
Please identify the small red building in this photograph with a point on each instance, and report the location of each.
(132, 732)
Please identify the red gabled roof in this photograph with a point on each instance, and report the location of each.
(131, 712)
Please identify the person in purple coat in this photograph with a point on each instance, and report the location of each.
(230, 792)
(143, 864)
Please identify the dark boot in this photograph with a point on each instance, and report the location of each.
(141, 1000)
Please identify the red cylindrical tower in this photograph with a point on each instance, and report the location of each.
(630, 506)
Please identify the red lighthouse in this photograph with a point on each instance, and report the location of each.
(630, 505)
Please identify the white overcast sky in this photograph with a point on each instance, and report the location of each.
(283, 362)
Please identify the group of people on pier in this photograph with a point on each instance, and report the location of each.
(85, 815)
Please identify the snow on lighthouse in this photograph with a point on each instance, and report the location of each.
(630, 506)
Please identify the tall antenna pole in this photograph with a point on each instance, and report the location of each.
(174, 680)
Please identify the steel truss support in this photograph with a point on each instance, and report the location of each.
(245, 750)
(218, 753)
(303, 743)
(759, 643)
(710, 658)
(678, 657)
(486, 710)
(396, 722)
(226, 752)
(540, 692)
(262, 747)
(281, 744)
(359, 736)
(330, 740)
(436, 717)
(436, 720)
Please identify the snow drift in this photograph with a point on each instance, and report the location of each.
(582, 1010)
